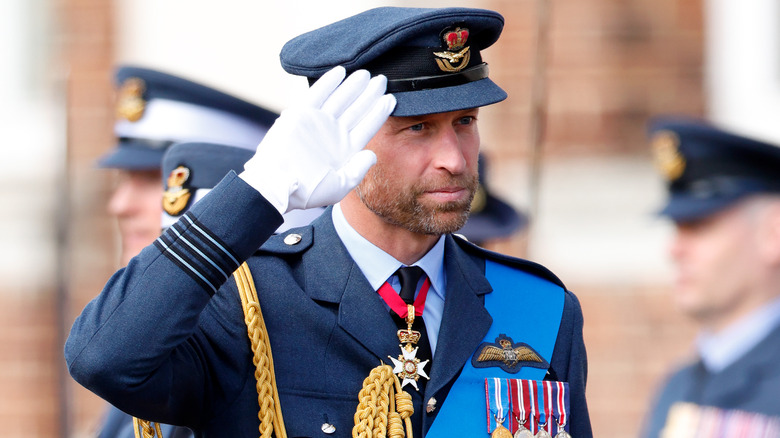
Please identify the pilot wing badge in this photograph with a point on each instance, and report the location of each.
(507, 355)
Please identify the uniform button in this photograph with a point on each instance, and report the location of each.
(292, 239)
(431, 405)
(327, 427)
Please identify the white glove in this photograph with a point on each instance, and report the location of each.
(313, 154)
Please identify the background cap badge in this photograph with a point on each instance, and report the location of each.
(130, 102)
(666, 153)
(176, 197)
(192, 170)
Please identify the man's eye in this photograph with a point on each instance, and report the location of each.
(417, 127)
(466, 120)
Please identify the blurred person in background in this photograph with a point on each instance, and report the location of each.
(155, 110)
(724, 200)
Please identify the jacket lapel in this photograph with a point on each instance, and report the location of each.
(362, 313)
(465, 320)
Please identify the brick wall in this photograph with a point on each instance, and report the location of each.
(88, 40)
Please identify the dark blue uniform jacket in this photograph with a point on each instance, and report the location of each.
(166, 338)
(750, 384)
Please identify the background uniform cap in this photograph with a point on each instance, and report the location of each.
(156, 109)
(490, 217)
(708, 169)
(191, 170)
(431, 57)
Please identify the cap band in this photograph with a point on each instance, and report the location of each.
(724, 186)
(145, 142)
(420, 63)
(449, 80)
(177, 121)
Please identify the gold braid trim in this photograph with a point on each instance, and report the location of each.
(270, 413)
(149, 431)
(383, 408)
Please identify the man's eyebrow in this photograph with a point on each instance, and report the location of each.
(407, 119)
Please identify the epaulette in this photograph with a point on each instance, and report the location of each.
(292, 241)
(522, 264)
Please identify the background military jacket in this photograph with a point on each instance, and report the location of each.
(750, 384)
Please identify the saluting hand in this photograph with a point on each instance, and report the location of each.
(314, 153)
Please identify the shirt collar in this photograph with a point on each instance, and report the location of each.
(721, 349)
(378, 265)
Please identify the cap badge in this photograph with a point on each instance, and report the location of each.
(457, 55)
(175, 199)
(130, 101)
(666, 154)
(507, 355)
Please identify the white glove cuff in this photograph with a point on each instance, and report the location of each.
(271, 188)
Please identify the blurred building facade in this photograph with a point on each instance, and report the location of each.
(609, 66)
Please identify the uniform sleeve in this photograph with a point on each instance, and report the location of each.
(570, 362)
(139, 343)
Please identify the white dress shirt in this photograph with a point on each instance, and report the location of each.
(379, 266)
(719, 350)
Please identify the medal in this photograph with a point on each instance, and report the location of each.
(497, 396)
(520, 407)
(532, 402)
(542, 432)
(407, 366)
(501, 432)
(560, 408)
(544, 401)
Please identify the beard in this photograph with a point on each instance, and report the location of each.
(404, 207)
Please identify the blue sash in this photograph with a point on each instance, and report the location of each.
(526, 308)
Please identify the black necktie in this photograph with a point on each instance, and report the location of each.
(409, 277)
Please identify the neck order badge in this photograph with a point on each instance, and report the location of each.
(407, 366)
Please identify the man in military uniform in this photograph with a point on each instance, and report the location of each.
(724, 199)
(394, 146)
(155, 110)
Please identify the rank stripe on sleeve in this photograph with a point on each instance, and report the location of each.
(198, 252)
